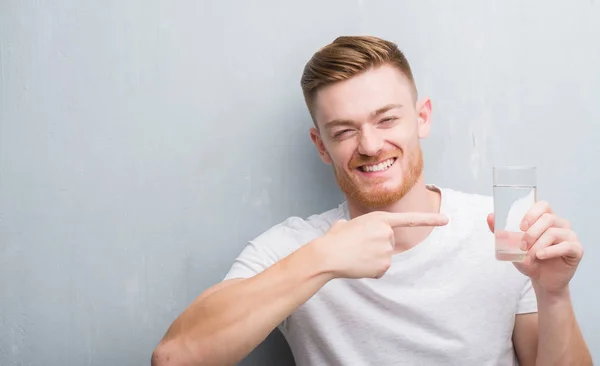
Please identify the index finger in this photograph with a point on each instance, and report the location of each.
(403, 219)
(534, 213)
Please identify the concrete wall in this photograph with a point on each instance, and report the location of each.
(142, 143)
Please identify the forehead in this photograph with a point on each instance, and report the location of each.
(359, 96)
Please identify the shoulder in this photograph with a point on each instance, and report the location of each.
(467, 203)
(468, 213)
(281, 240)
(296, 231)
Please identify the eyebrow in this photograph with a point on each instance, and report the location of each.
(348, 122)
(386, 108)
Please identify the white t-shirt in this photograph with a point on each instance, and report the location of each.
(446, 301)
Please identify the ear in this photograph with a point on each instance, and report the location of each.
(316, 139)
(424, 117)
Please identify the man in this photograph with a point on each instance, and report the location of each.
(400, 273)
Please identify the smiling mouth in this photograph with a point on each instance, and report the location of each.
(379, 167)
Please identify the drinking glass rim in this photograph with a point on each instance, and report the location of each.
(514, 167)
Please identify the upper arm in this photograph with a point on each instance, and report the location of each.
(525, 338)
(267, 249)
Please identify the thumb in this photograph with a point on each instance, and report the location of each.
(490, 222)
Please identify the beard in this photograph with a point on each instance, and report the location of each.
(376, 195)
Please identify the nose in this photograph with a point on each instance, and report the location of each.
(370, 143)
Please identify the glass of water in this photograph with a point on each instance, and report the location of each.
(514, 194)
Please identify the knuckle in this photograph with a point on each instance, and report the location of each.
(573, 236)
(553, 232)
(373, 220)
(391, 233)
(554, 236)
(531, 239)
(574, 249)
(376, 215)
(545, 205)
(386, 227)
(389, 250)
(386, 265)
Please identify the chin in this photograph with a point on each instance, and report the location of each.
(388, 186)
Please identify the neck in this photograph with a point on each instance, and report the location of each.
(418, 199)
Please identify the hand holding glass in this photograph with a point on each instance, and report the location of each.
(514, 194)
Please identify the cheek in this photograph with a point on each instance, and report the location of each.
(405, 134)
(341, 153)
(403, 143)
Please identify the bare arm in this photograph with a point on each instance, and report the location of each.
(525, 338)
(560, 339)
(553, 255)
(229, 320)
(552, 336)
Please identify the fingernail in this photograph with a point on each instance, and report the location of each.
(524, 245)
(541, 254)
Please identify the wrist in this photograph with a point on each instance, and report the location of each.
(546, 296)
(320, 259)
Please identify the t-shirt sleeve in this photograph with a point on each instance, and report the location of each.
(527, 300)
(251, 261)
(268, 248)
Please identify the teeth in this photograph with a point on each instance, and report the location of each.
(379, 167)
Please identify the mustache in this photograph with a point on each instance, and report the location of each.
(359, 159)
